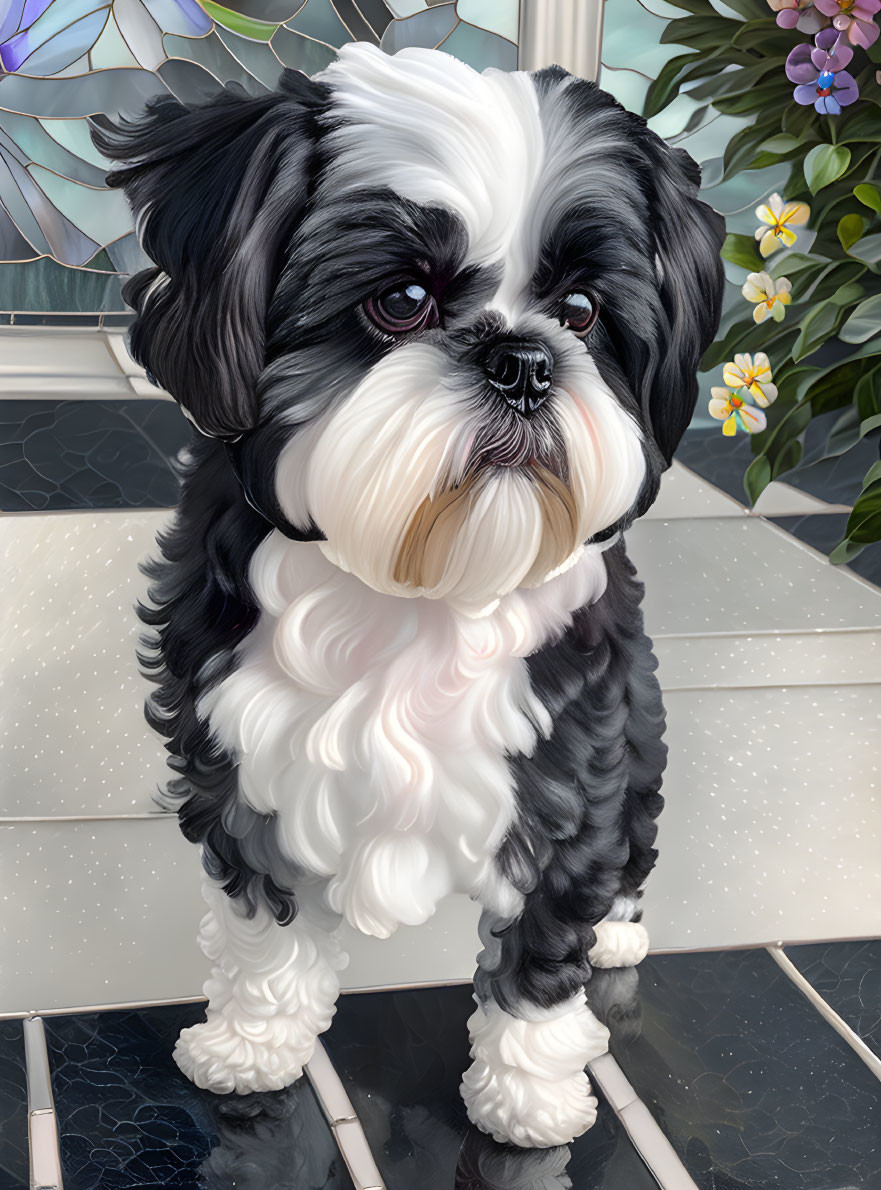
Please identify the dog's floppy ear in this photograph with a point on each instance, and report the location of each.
(216, 189)
(688, 237)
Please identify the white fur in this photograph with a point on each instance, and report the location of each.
(272, 990)
(362, 471)
(378, 729)
(527, 1084)
(619, 944)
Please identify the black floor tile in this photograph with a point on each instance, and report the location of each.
(89, 454)
(848, 977)
(751, 1085)
(14, 1174)
(823, 531)
(720, 461)
(401, 1056)
(129, 1120)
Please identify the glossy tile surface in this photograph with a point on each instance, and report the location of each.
(823, 533)
(401, 1056)
(13, 1108)
(72, 727)
(848, 977)
(741, 575)
(750, 1084)
(772, 824)
(129, 1119)
(89, 454)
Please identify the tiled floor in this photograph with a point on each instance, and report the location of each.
(749, 1083)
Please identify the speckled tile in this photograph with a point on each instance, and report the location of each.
(69, 634)
(824, 532)
(401, 1056)
(848, 977)
(741, 576)
(684, 494)
(747, 1080)
(128, 1119)
(89, 454)
(13, 1108)
(72, 726)
(772, 824)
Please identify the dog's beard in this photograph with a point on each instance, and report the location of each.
(421, 492)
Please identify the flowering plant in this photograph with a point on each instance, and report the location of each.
(811, 274)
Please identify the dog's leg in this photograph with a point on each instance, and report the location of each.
(622, 941)
(272, 990)
(527, 1083)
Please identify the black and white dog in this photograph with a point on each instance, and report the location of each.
(439, 331)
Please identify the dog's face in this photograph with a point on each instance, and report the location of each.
(451, 320)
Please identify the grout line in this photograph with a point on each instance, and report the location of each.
(43, 1143)
(640, 1125)
(841, 1027)
(24, 820)
(343, 1120)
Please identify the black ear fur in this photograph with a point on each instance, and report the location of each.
(688, 237)
(217, 189)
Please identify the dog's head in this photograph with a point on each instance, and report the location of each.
(448, 322)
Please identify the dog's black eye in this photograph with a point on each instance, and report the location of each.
(405, 305)
(579, 312)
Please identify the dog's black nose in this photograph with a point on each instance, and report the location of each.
(522, 373)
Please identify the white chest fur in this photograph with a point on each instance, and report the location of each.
(378, 728)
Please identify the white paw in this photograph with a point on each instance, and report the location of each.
(243, 1056)
(519, 1109)
(527, 1085)
(619, 944)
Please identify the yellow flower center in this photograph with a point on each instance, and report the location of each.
(771, 300)
(735, 402)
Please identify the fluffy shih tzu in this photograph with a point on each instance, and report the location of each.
(438, 331)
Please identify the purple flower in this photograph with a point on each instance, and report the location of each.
(798, 14)
(854, 17)
(820, 73)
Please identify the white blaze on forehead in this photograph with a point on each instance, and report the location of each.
(435, 131)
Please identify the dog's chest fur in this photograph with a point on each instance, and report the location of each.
(378, 729)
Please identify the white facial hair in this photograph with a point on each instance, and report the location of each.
(403, 437)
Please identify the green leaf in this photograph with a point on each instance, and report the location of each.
(741, 250)
(782, 143)
(845, 551)
(700, 32)
(763, 35)
(869, 196)
(868, 249)
(871, 423)
(867, 395)
(757, 478)
(244, 25)
(816, 327)
(844, 434)
(824, 164)
(863, 322)
(864, 522)
(834, 388)
(666, 86)
(850, 228)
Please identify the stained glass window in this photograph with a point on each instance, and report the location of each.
(65, 238)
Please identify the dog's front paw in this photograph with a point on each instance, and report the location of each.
(519, 1108)
(526, 1084)
(222, 1055)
